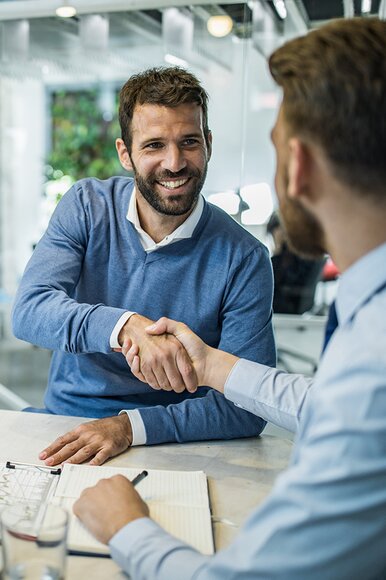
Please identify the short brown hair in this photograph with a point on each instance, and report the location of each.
(334, 93)
(167, 86)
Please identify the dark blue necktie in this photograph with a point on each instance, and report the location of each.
(332, 323)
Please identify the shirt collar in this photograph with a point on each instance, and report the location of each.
(361, 281)
(185, 230)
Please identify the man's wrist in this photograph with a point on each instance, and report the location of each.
(139, 436)
(125, 330)
(134, 328)
(125, 421)
(114, 337)
(121, 522)
(218, 366)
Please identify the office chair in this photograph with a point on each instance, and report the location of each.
(296, 280)
(308, 332)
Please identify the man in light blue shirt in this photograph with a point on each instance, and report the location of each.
(326, 515)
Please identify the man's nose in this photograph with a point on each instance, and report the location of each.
(174, 159)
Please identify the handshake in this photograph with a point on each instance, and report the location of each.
(170, 367)
(166, 355)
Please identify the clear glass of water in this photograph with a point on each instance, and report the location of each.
(34, 542)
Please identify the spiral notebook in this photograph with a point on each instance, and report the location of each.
(178, 500)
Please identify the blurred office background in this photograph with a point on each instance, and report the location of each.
(60, 72)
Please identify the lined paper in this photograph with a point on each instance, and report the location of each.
(178, 501)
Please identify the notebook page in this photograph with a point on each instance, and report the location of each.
(75, 478)
(178, 501)
(189, 524)
(172, 487)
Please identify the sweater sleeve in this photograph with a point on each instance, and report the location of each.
(49, 283)
(246, 331)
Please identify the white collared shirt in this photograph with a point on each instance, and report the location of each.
(185, 230)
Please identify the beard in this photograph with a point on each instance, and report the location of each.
(303, 231)
(175, 205)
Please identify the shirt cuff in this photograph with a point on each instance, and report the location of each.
(267, 392)
(137, 427)
(144, 550)
(118, 327)
(240, 386)
(121, 543)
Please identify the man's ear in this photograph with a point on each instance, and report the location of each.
(299, 166)
(209, 144)
(123, 155)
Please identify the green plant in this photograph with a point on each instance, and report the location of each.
(82, 139)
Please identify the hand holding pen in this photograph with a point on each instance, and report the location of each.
(111, 504)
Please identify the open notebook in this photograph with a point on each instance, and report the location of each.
(178, 500)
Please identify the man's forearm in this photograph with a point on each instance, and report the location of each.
(199, 419)
(47, 318)
(144, 550)
(218, 366)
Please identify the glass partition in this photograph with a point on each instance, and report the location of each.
(59, 79)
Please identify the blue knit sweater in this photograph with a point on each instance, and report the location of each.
(90, 267)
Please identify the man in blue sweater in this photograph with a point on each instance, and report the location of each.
(119, 254)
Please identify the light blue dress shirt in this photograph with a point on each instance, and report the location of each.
(326, 515)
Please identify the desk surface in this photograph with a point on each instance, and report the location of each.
(240, 472)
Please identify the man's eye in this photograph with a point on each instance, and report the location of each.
(155, 145)
(190, 142)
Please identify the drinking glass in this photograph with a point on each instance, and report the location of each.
(34, 543)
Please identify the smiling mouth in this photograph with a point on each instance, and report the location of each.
(174, 184)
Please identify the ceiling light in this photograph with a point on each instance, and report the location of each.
(65, 11)
(280, 8)
(220, 25)
(366, 6)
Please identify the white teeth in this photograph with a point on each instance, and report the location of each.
(173, 184)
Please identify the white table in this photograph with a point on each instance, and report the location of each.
(240, 472)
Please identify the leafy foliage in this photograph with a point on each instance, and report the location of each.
(83, 138)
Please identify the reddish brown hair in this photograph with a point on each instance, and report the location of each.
(334, 93)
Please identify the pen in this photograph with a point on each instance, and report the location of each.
(139, 477)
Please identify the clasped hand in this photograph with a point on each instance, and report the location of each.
(163, 363)
(193, 348)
